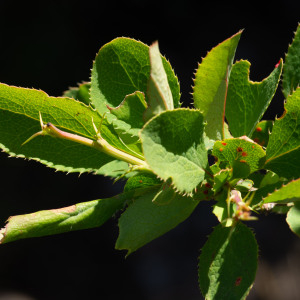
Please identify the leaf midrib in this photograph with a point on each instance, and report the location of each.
(35, 119)
(126, 72)
(282, 154)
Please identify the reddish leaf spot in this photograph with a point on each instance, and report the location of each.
(239, 149)
(207, 185)
(253, 147)
(258, 129)
(242, 161)
(221, 149)
(165, 186)
(277, 65)
(205, 192)
(257, 141)
(140, 181)
(238, 281)
(244, 154)
(224, 144)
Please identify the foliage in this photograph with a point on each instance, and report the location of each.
(128, 123)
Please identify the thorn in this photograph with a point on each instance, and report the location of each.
(41, 120)
(32, 137)
(37, 133)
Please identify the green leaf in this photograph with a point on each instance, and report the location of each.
(129, 138)
(269, 178)
(262, 132)
(129, 121)
(244, 185)
(20, 108)
(66, 113)
(80, 93)
(264, 191)
(122, 67)
(165, 195)
(247, 100)
(286, 194)
(158, 90)
(19, 115)
(220, 179)
(220, 209)
(145, 220)
(291, 68)
(283, 150)
(228, 263)
(131, 110)
(56, 153)
(242, 155)
(293, 218)
(76, 217)
(204, 191)
(211, 85)
(174, 148)
(141, 180)
(281, 209)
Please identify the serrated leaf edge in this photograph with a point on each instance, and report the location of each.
(286, 56)
(278, 189)
(182, 193)
(208, 236)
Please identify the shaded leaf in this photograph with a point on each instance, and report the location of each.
(80, 93)
(141, 180)
(228, 263)
(293, 218)
(291, 67)
(269, 178)
(145, 220)
(76, 217)
(165, 195)
(263, 192)
(262, 132)
(283, 150)
(287, 193)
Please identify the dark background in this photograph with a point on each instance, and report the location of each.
(51, 46)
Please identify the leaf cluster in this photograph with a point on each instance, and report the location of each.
(128, 123)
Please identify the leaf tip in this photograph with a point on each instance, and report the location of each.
(3, 234)
(279, 63)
